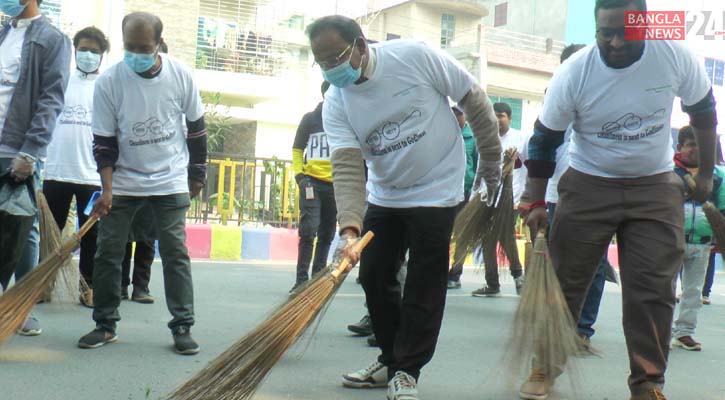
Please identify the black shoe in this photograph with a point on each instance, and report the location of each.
(296, 287)
(97, 338)
(183, 342)
(487, 291)
(141, 295)
(372, 341)
(453, 285)
(364, 327)
(519, 284)
(124, 293)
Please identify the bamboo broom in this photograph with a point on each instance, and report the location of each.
(65, 288)
(543, 328)
(237, 373)
(474, 224)
(18, 301)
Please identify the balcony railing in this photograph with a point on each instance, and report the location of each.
(522, 41)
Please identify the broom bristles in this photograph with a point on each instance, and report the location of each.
(65, 288)
(238, 372)
(474, 224)
(543, 327)
(18, 301)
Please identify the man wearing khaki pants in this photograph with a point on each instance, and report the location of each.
(619, 96)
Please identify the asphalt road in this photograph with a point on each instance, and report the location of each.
(231, 298)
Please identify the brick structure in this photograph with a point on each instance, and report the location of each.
(180, 20)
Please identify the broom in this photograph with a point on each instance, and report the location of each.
(543, 327)
(65, 288)
(238, 372)
(474, 223)
(713, 215)
(18, 301)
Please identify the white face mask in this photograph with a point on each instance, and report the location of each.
(87, 61)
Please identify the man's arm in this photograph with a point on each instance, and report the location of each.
(105, 152)
(298, 148)
(196, 143)
(53, 82)
(703, 120)
(480, 116)
(540, 162)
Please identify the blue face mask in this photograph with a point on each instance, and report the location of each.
(12, 8)
(139, 62)
(343, 74)
(87, 61)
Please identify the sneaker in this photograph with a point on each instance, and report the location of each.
(31, 327)
(706, 300)
(486, 291)
(402, 387)
(141, 295)
(536, 387)
(184, 344)
(87, 298)
(374, 376)
(687, 343)
(97, 338)
(453, 285)
(652, 394)
(372, 341)
(124, 293)
(364, 327)
(519, 284)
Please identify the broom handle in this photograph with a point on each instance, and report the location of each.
(87, 226)
(357, 247)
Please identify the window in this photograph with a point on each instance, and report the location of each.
(501, 14)
(392, 36)
(715, 71)
(516, 109)
(448, 30)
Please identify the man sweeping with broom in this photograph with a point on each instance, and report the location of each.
(389, 107)
(619, 96)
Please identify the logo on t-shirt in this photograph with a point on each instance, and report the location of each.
(151, 131)
(386, 139)
(632, 127)
(75, 115)
(317, 147)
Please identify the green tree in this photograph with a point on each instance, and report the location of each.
(218, 125)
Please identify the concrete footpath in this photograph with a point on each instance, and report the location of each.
(232, 297)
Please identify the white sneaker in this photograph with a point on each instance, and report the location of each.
(402, 387)
(373, 376)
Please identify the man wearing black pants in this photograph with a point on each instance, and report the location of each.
(143, 257)
(311, 163)
(389, 109)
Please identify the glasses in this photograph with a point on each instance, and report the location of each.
(337, 60)
(608, 34)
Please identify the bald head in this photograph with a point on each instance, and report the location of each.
(143, 21)
(142, 32)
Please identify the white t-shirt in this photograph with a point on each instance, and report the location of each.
(401, 120)
(147, 117)
(621, 117)
(519, 140)
(562, 164)
(70, 152)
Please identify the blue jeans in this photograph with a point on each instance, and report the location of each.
(590, 311)
(31, 250)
